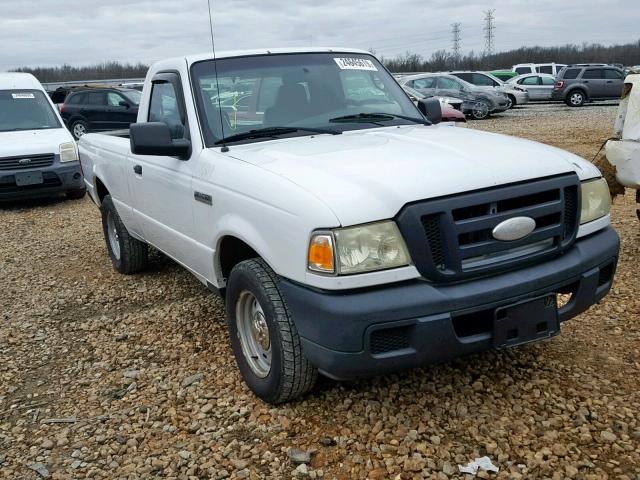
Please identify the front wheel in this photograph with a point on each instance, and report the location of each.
(480, 110)
(128, 255)
(263, 335)
(513, 101)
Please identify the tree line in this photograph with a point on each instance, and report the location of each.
(441, 60)
(101, 71)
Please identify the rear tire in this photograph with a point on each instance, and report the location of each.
(576, 98)
(76, 194)
(263, 335)
(513, 101)
(78, 128)
(128, 255)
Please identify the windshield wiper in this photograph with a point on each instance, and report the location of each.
(376, 117)
(274, 132)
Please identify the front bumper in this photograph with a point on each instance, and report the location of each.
(342, 332)
(57, 178)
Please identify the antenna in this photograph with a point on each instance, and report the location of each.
(455, 33)
(225, 148)
(488, 31)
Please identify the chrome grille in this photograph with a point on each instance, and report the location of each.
(451, 238)
(24, 162)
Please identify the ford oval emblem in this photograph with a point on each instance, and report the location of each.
(24, 161)
(514, 229)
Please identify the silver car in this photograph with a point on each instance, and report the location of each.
(539, 85)
(478, 102)
(516, 94)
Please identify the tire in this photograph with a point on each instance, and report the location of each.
(480, 110)
(576, 98)
(128, 255)
(76, 194)
(513, 100)
(263, 335)
(78, 128)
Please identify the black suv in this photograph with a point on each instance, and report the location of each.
(577, 84)
(100, 109)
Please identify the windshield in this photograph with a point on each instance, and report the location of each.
(329, 91)
(133, 95)
(26, 110)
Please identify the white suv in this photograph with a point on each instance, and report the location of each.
(552, 68)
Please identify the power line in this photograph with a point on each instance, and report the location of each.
(455, 34)
(489, 27)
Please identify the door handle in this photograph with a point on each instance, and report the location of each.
(137, 169)
(609, 81)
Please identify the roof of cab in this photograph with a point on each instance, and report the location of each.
(17, 81)
(191, 59)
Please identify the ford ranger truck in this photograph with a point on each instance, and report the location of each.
(349, 232)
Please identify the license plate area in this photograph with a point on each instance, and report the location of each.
(526, 321)
(28, 178)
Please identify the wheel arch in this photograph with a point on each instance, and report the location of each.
(101, 189)
(231, 250)
(580, 88)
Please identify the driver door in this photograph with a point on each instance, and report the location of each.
(161, 185)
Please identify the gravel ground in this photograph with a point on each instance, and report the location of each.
(106, 376)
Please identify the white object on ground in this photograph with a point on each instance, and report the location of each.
(483, 463)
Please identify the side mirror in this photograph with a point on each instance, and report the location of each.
(124, 104)
(431, 108)
(154, 138)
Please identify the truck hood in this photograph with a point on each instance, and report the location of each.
(368, 175)
(32, 142)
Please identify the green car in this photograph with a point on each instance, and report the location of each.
(504, 75)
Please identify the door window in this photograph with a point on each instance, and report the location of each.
(424, 82)
(611, 74)
(76, 99)
(545, 69)
(548, 81)
(94, 98)
(114, 99)
(467, 77)
(529, 81)
(445, 83)
(523, 70)
(482, 80)
(164, 108)
(593, 73)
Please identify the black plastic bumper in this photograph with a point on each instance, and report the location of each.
(57, 179)
(557, 95)
(366, 332)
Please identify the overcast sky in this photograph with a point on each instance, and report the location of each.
(79, 32)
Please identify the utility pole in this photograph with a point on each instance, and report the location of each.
(455, 37)
(489, 27)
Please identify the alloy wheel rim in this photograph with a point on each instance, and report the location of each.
(253, 333)
(576, 98)
(112, 234)
(79, 130)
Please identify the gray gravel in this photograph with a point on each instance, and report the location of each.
(141, 370)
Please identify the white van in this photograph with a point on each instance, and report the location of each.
(38, 156)
(551, 68)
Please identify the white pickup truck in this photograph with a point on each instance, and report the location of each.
(349, 233)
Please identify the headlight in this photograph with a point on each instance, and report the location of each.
(68, 152)
(365, 248)
(596, 200)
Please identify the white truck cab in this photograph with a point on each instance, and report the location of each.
(623, 151)
(349, 232)
(38, 156)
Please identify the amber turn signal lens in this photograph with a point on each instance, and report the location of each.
(321, 253)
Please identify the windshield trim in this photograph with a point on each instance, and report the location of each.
(201, 115)
(48, 104)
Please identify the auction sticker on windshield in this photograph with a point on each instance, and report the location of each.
(355, 64)
(23, 95)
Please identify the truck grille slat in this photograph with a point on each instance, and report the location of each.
(451, 238)
(27, 161)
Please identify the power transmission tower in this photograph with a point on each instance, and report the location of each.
(455, 37)
(489, 27)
